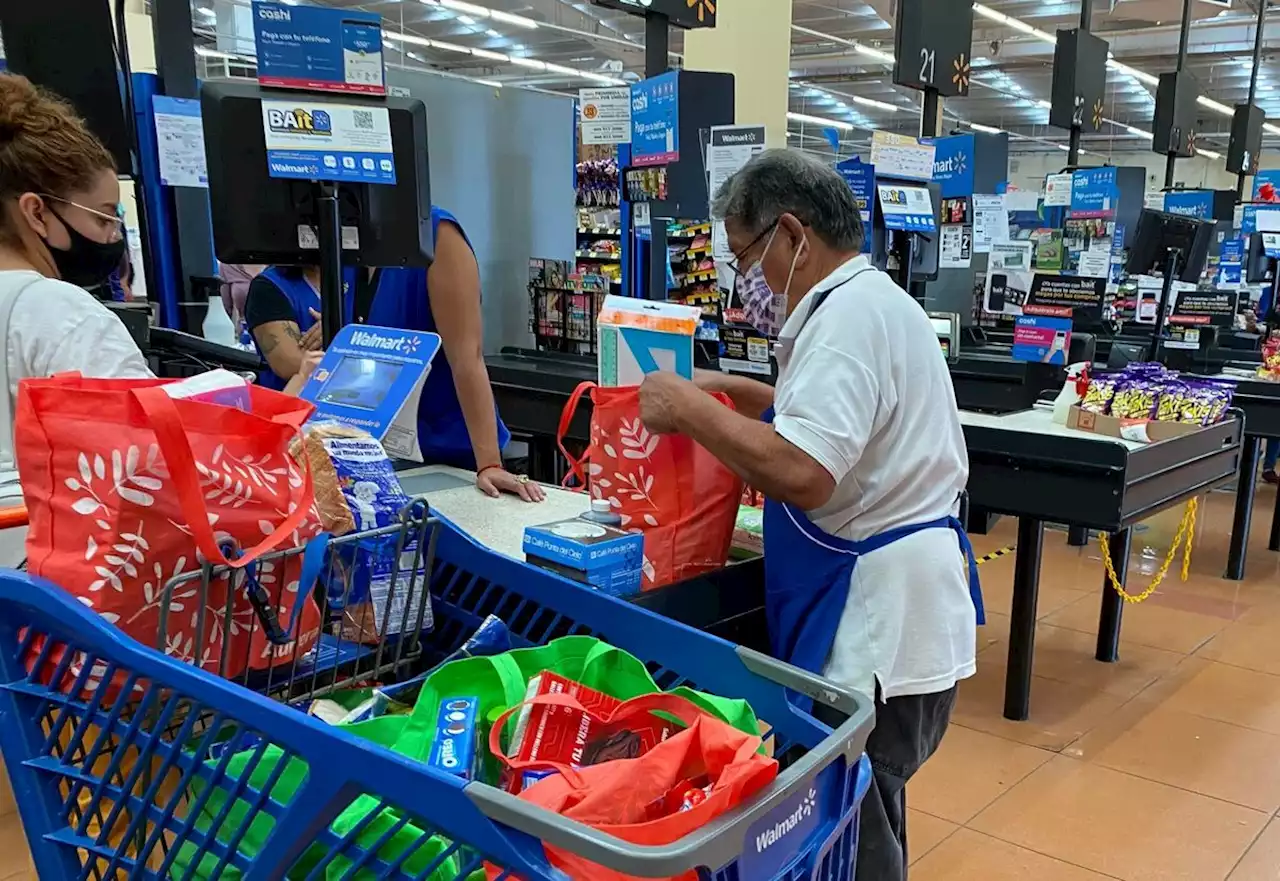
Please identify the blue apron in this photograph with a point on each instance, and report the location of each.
(402, 301)
(303, 298)
(805, 594)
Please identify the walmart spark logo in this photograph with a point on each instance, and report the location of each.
(409, 345)
(788, 824)
(703, 7)
(1097, 113)
(963, 72)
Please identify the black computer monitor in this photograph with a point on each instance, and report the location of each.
(1258, 267)
(1123, 354)
(257, 218)
(1161, 234)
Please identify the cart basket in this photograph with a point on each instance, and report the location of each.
(173, 774)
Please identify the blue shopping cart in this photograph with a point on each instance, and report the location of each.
(169, 774)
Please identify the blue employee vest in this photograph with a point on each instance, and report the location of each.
(401, 301)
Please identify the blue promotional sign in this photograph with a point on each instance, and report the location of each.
(1231, 261)
(1191, 203)
(314, 140)
(655, 120)
(319, 48)
(1094, 193)
(860, 176)
(1249, 217)
(371, 378)
(1117, 253)
(908, 208)
(1041, 339)
(1266, 186)
(953, 162)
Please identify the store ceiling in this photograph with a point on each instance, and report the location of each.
(832, 80)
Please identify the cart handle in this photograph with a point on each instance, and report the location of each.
(13, 517)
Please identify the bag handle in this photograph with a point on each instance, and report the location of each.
(176, 448)
(566, 419)
(669, 704)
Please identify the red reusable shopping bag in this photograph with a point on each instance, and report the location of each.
(681, 497)
(617, 797)
(127, 488)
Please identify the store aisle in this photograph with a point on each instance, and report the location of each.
(1163, 766)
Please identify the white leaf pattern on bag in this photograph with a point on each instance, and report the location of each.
(609, 451)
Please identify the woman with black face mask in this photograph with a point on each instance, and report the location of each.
(60, 233)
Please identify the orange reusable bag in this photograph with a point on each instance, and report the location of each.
(127, 488)
(615, 796)
(682, 498)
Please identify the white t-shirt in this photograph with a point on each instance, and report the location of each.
(57, 327)
(864, 390)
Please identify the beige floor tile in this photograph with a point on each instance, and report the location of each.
(972, 856)
(1060, 711)
(1202, 755)
(1252, 646)
(1068, 656)
(925, 832)
(969, 771)
(1121, 825)
(1232, 694)
(1145, 624)
(1262, 862)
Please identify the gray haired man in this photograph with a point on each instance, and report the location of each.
(861, 458)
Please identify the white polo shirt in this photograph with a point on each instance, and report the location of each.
(864, 390)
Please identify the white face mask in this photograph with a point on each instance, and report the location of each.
(764, 308)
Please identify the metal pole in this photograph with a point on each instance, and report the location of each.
(1162, 309)
(1108, 647)
(930, 113)
(1184, 40)
(330, 235)
(1253, 81)
(657, 42)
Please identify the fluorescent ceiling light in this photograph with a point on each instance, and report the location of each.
(492, 33)
(1063, 147)
(1139, 75)
(1200, 151)
(1043, 103)
(466, 19)
(1271, 128)
(1215, 105)
(483, 12)
(1011, 22)
(871, 102)
(820, 120)
(979, 127)
(449, 47)
(492, 56)
(493, 84)
(1137, 131)
(205, 10)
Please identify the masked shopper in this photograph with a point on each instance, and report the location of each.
(870, 580)
(60, 234)
(458, 422)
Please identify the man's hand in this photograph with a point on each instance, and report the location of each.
(662, 396)
(313, 339)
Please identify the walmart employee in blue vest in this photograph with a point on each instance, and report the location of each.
(458, 423)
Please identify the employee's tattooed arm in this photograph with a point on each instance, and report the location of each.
(281, 344)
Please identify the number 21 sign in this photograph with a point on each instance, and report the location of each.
(932, 41)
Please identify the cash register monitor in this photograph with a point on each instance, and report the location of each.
(1258, 267)
(261, 219)
(360, 382)
(1160, 234)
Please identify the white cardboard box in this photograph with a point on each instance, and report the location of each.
(636, 337)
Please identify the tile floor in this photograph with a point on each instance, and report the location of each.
(1164, 766)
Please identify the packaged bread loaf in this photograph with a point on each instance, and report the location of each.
(357, 491)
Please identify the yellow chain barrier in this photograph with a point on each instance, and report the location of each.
(1186, 531)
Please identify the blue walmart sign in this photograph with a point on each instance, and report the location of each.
(953, 162)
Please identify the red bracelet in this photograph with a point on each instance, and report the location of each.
(488, 468)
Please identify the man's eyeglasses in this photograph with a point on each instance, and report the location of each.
(735, 265)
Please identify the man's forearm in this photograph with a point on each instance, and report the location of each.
(750, 397)
(754, 451)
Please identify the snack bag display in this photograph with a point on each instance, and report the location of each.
(1102, 388)
(1136, 398)
(357, 490)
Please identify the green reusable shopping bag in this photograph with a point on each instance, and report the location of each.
(497, 681)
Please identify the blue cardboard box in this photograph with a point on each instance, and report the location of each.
(608, 559)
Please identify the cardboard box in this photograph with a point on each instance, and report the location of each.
(641, 336)
(1143, 431)
(605, 558)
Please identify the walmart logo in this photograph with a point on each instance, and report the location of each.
(703, 6)
(784, 827)
(299, 121)
(410, 345)
(952, 165)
